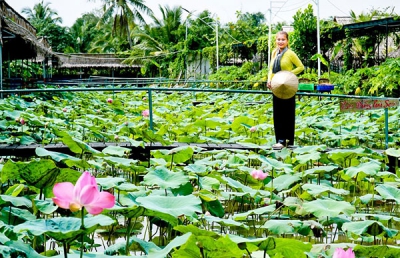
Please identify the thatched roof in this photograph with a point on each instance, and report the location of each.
(92, 61)
(18, 36)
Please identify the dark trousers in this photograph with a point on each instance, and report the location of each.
(284, 119)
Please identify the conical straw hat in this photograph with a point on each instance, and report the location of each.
(284, 84)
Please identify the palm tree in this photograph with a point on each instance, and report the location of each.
(157, 42)
(84, 32)
(124, 13)
(48, 24)
(41, 15)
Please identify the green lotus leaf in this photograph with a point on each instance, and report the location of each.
(27, 140)
(16, 201)
(316, 190)
(277, 226)
(63, 228)
(276, 164)
(171, 206)
(15, 189)
(239, 186)
(116, 151)
(258, 211)
(154, 137)
(128, 187)
(393, 152)
(283, 182)
(286, 247)
(328, 208)
(365, 199)
(319, 170)
(389, 192)
(225, 222)
(305, 158)
(207, 195)
(367, 228)
(177, 155)
(195, 230)
(22, 214)
(45, 206)
(254, 243)
(77, 146)
(120, 162)
(18, 249)
(176, 242)
(39, 173)
(215, 208)
(198, 169)
(375, 217)
(345, 157)
(309, 149)
(165, 178)
(370, 168)
(120, 248)
(56, 156)
(209, 183)
(109, 182)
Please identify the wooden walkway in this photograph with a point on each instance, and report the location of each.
(137, 152)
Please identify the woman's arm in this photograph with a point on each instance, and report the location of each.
(297, 63)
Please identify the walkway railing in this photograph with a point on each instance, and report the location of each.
(156, 88)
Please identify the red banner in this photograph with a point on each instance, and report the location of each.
(351, 105)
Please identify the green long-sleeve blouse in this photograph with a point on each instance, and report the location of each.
(289, 62)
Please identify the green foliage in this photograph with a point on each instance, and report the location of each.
(303, 39)
(375, 81)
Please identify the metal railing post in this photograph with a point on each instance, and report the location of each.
(150, 109)
(386, 128)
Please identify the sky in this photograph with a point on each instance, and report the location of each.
(224, 10)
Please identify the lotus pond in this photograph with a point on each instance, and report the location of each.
(333, 190)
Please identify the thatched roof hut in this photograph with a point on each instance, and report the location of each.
(18, 37)
(92, 61)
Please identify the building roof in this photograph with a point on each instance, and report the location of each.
(368, 28)
(18, 36)
(343, 20)
(92, 61)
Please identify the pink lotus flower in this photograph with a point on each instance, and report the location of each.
(109, 100)
(253, 129)
(145, 113)
(85, 193)
(22, 121)
(64, 109)
(258, 174)
(341, 253)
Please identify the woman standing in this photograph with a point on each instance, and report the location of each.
(284, 59)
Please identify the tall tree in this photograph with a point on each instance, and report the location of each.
(47, 23)
(41, 15)
(304, 38)
(84, 32)
(124, 14)
(157, 42)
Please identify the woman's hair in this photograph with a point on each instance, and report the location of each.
(284, 33)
